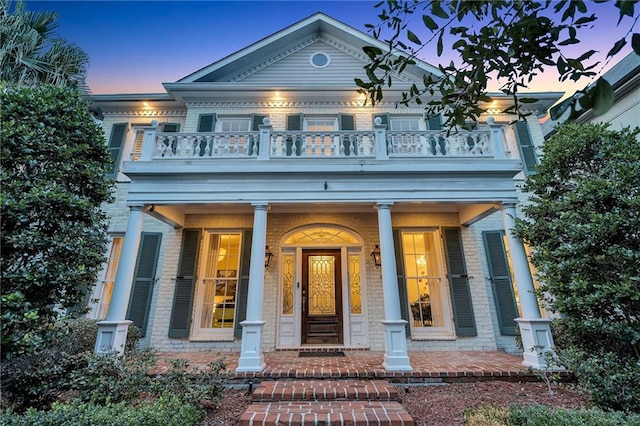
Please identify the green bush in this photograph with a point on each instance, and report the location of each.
(167, 410)
(545, 416)
(487, 415)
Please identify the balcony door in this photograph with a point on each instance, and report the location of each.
(322, 315)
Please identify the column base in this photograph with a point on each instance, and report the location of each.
(251, 356)
(396, 357)
(112, 337)
(536, 341)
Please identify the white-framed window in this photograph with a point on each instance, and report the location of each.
(233, 124)
(319, 60)
(406, 124)
(319, 124)
(427, 294)
(102, 293)
(215, 307)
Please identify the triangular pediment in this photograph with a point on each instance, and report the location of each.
(284, 57)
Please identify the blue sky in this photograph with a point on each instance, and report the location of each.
(136, 46)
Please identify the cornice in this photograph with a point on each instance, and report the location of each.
(149, 113)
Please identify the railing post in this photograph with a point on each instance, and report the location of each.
(497, 139)
(265, 139)
(381, 139)
(149, 142)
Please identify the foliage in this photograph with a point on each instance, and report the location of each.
(167, 410)
(584, 228)
(509, 40)
(30, 52)
(492, 415)
(38, 379)
(53, 167)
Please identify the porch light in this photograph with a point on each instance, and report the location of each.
(375, 254)
(267, 256)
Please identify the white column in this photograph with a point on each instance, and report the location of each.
(497, 138)
(251, 356)
(381, 139)
(396, 357)
(265, 139)
(534, 330)
(149, 142)
(112, 333)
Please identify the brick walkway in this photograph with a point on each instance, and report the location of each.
(427, 366)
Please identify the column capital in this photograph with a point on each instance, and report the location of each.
(260, 205)
(138, 208)
(511, 204)
(386, 205)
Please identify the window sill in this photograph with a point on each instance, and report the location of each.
(423, 337)
(212, 338)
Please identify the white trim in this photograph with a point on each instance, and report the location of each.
(317, 54)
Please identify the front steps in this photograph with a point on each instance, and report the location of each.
(325, 402)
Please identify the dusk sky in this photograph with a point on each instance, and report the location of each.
(136, 46)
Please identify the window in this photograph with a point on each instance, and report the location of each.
(234, 124)
(105, 287)
(406, 124)
(424, 279)
(319, 60)
(216, 291)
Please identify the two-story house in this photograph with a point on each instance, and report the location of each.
(261, 205)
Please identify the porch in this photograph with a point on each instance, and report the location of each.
(428, 367)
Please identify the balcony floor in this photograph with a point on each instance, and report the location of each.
(428, 366)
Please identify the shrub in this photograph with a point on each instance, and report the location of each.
(487, 415)
(166, 410)
(545, 416)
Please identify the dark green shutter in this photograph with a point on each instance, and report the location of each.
(144, 278)
(185, 282)
(459, 283)
(170, 127)
(347, 122)
(207, 122)
(402, 285)
(527, 149)
(243, 288)
(385, 119)
(256, 120)
(434, 122)
(500, 276)
(294, 122)
(116, 143)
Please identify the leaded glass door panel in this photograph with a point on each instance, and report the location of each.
(321, 297)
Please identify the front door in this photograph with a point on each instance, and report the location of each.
(321, 297)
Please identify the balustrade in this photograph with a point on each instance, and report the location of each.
(326, 144)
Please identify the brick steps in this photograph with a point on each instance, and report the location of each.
(325, 402)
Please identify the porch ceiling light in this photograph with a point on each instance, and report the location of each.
(375, 254)
(267, 256)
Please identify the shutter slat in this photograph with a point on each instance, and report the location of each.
(185, 282)
(170, 127)
(527, 149)
(434, 122)
(207, 122)
(256, 121)
(243, 290)
(459, 283)
(402, 285)
(116, 143)
(144, 277)
(501, 282)
(294, 122)
(348, 122)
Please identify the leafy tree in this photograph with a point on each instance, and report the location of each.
(510, 40)
(30, 53)
(584, 228)
(53, 167)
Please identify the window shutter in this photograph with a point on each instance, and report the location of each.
(116, 142)
(144, 278)
(243, 289)
(434, 122)
(256, 120)
(459, 283)
(294, 122)
(500, 276)
(527, 149)
(207, 123)
(348, 122)
(385, 119)
(185, 282)
(402, 285)
(170, 127)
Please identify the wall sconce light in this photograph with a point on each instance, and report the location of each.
(267, 256)
(375, 254)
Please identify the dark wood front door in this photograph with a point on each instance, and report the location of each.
(321, 297)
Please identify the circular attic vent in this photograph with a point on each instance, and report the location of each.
(319, 59)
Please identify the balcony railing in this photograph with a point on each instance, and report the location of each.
(376, 143)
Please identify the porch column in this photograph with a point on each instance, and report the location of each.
(535, 330)
(396, 357)
(112, 333)
(251, 357)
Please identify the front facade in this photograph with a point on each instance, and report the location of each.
(260, 205)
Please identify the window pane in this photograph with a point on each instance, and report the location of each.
(235, 124)
(287, 283)
(220, 280)
(405, 124)
(355, 290)
(322, 287)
